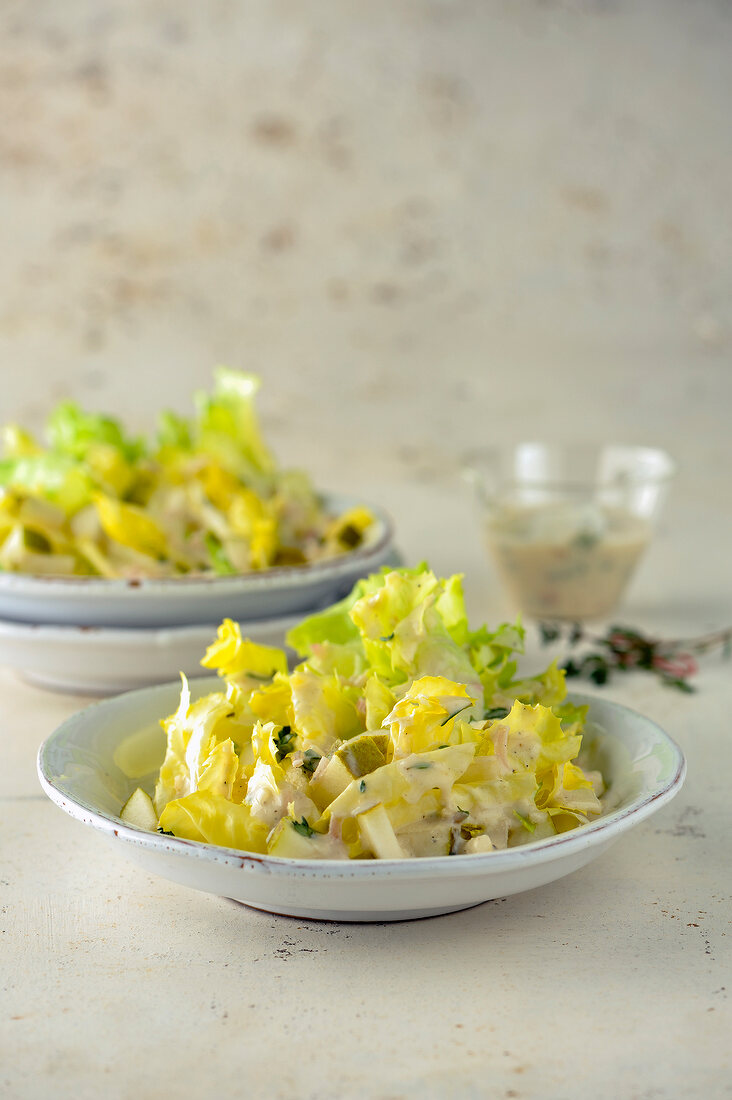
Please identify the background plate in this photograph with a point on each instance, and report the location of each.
(98, 661)
(183, 601)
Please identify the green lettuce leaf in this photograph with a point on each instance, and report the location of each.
(212, 819)
(71, 431)
(234, 656)
(404, 633)
(227, 427)
(174, 431)
(324, 708)
(547, 688)
(56, 477)
(335, 624)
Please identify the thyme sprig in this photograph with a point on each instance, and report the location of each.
(285, 741)
(623, 649)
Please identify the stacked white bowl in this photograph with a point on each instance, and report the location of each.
(97, 636)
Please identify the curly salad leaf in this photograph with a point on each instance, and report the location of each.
(401, 733)
(204, 496)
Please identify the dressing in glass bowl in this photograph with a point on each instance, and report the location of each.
(567, 526)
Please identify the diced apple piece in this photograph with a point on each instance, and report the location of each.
(378, 835)
(476, 844)
(385, 785)
(334, 778)
(139, 811)
(426, 838)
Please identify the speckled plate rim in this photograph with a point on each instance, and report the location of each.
(101, 660)
(41, 586)
(130, 637)
(602, 831)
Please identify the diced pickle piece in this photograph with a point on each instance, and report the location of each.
(378, 835)
(363, 754)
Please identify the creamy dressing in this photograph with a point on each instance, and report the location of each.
(423, 777)
(563, 560)
(270, 802)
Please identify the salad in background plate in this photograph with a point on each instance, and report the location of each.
(205, 497)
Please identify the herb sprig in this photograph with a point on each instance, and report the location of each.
(310, 761)
(623, 649)
(285, 742)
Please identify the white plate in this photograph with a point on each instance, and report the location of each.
(94, 660)
(182, 601)
(79, 770)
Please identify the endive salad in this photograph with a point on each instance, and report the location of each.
(204, 496)
(401, 733)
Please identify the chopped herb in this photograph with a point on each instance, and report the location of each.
(387, 637)
(310, 761)
(350, 536)
(495, 712)
(289, 555)
(527, 824)
(165, 832)
(219, 560)
(682, 685)
(420, 766)
(302, 827)
(285, 742)
(362, 786)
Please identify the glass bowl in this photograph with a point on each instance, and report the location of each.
(567, 525)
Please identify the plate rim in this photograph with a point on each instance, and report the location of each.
(546, 850)
(12, 631)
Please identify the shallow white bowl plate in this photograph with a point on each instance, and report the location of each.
(181, 601)
(96, 660)
(84, 767)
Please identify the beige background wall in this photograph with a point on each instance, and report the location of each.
(426, 225)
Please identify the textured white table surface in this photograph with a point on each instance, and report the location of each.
(429, 226)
